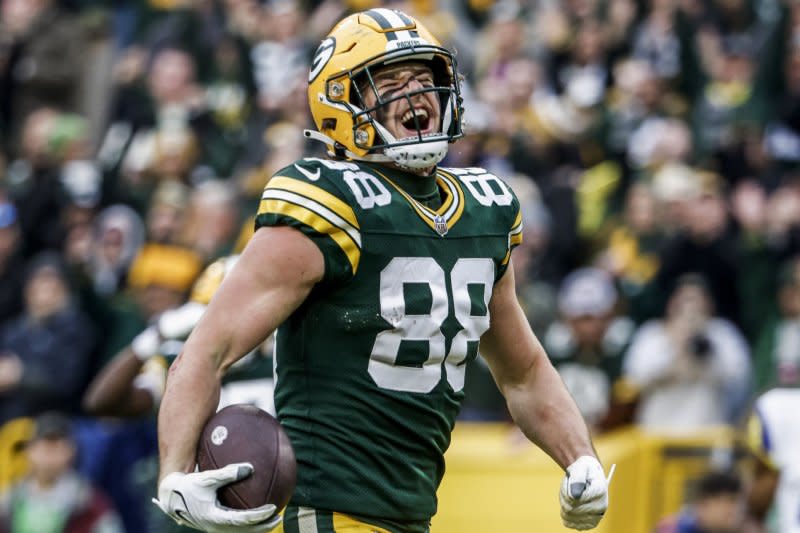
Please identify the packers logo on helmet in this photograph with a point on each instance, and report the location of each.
(342, 72)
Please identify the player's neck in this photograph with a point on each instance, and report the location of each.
(417, 185)
(421, 172)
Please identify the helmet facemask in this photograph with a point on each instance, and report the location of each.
(419, 150)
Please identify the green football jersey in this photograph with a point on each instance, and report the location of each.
(370, 368)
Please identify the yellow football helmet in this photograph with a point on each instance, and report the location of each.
(342, 69)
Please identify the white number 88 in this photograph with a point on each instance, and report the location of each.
(402, 270)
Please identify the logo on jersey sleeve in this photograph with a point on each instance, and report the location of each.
(313, 176)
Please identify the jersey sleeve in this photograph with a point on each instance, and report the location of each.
(514, 233)
(304, 196)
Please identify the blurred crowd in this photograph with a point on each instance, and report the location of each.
(654, 145)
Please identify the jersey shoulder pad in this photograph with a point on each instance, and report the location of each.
(307, 195)
(492, 192)
(486, 188)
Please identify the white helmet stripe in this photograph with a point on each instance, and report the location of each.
(396, 21)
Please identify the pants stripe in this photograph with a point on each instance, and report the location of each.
(306, 520)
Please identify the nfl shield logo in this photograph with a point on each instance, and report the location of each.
(440, 224)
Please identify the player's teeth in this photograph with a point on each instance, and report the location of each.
(408, 115)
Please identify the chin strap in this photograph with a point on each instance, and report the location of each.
(413, 157)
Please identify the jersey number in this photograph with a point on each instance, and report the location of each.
(383, 365)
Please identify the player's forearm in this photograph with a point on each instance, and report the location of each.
(536, 396)
(544, 410)
(191, 397)
(111, 389)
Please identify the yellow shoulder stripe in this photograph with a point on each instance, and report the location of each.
(517, 220)
(310, 218)
(317, 194)
(515, 235)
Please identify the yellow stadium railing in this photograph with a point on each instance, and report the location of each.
(497, 482)
(13, 463)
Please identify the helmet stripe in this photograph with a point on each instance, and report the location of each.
(407, 22)
(383, 23)
(389, 19)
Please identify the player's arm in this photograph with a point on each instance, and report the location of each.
(541, 406)
(113, 392)
(275, 273)
(132, 383)
(536, 396)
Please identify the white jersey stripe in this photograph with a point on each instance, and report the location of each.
(321, 210)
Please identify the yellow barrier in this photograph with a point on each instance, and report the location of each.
(495, 482)
(13, 463)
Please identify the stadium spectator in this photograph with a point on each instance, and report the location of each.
(11, 262)
(705, 245)
(54, 497)
(718, 506)
(690, 369)
(629, 245)
(116, 238)
(166, 213)
(45, 352)
(212, 219)
(41, 51)
(587, 343)
(35, 187)
(159, 279)
(777, 352)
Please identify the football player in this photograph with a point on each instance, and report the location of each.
(773, 437)
(382, 272)
(132, 383)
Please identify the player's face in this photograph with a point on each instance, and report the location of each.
(398, 116)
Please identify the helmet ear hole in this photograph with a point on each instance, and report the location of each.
(328, 124)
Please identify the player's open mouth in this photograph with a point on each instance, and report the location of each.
(415, 116)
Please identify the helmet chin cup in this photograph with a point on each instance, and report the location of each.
(417, 156)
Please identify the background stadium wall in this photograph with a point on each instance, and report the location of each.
(497, 482)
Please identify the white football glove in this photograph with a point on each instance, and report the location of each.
(584, 494)
(145, 344)
(191, 500)
(179, 322)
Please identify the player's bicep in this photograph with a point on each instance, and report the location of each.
(509, 345)
(275, 273)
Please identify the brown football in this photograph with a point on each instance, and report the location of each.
(244, 433)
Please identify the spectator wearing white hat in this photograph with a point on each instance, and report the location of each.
(587, 343)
